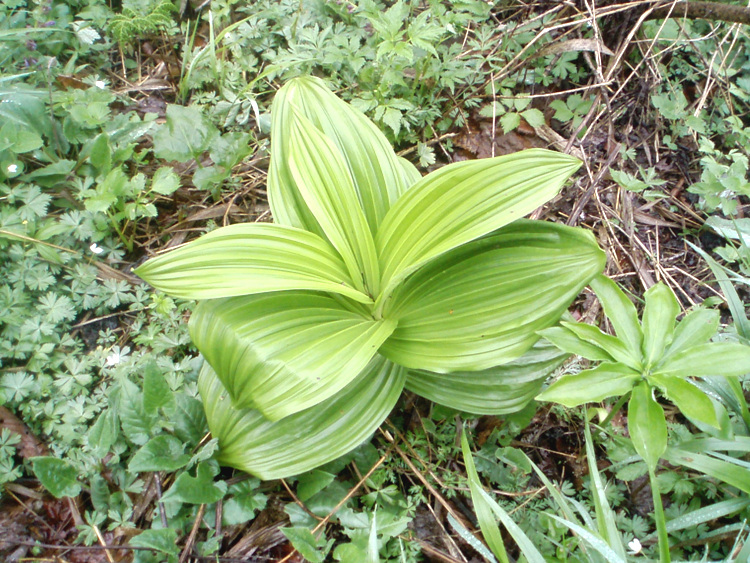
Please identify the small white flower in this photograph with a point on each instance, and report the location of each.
(96, 249)
(100, 84)
(12, 168)
(114, 358)
(635, 547)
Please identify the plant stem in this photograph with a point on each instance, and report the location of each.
(615, 409)
(661, 523)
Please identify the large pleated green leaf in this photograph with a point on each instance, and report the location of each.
(323, 180)
(498, 390)
(380, 177)
(250, 258)
(307, 439)
(464, 201)
(481, 304)
(283, 352)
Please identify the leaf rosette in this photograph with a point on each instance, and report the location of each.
(372, 279)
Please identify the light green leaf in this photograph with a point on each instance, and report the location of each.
(307, 439)
(647, 425)
(186, 134)
(163, 453)
(696, 328)
(165, 181)
(250, 258)
(284, 352)
(156, 391)
(659, 316)
(57, 476)
(201, 489)
(591, 385)
(567, 340)
(715, 358)
(498, 390)
(487, 522)
(509, 121)
(379, 176)
(464, 201)
(481, 305)
(610, 344)
(533, 117)
(103, 434)
(592, 540)
(323, 180)
(730, 473)
(691, 401)
(620, 311)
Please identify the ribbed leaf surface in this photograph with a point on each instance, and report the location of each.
(326, 186)
(307, 439)
(250, 258)
(498, 390)
(380, 177)
(283, 352)
(480, 305)
(464, 201)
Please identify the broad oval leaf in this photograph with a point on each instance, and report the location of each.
(591, 385)
(499, 390)
(481, 305)
(380, 176)
(326, 186)
(250, 258)
(464, 201)
(306, 439)
(647, 425)
(283, 352)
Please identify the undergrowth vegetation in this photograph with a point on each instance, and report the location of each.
(128, 129)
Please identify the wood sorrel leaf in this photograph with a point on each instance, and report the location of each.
(250, 258)
(647, 425)
(591, 385)
(691, 401)
(323, 180)
(620, 311)
(306, 439)
(497, 390)
(659, 316)
(481, 305)
(284, 352)
(462, 202)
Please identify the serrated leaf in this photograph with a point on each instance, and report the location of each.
(165, 181)
(462, 202)
(308, 546)
(57, 476)
(163, 453)
(251, 258)
(307, 439)
(499, 390)
(647, 425)
(481, 305)
(509, 121)
(186, 134)
(284, 352)
(533, 117)
(201, 489)
(591, 385)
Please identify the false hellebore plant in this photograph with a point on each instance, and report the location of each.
(372, 279)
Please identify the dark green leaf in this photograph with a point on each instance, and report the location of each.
(57, 476)
(163, 453)
(201, 489)
(186, 134)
